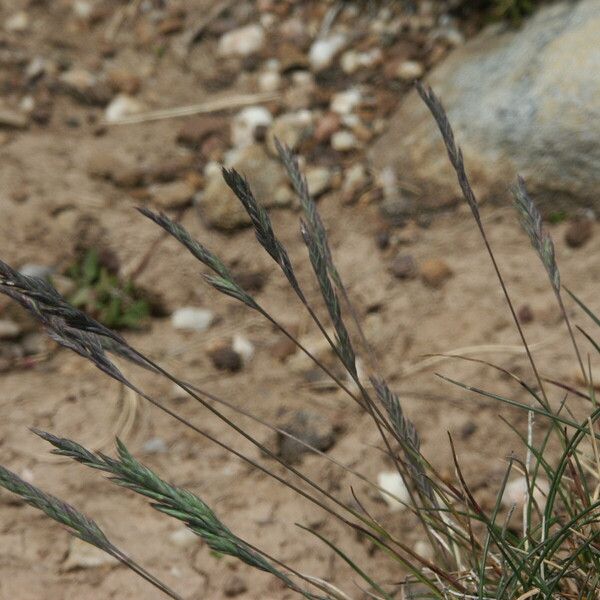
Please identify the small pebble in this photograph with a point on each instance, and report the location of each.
(155, 445)
(318, 179)
(344, 141)
(579, 232)
(409, 70)
(525, 314)
(245, 124)
(347, 101)
(244, 347)
(234, 586)
(404, 266)
(123, 106)
(242, 42)
(176, 194)
(515, 492)
(324, 50)
(17, 23)
(9, 330)
(192, 319)
(435, 272)
(184, 538)
(395, 492)
(225, 358)
(35, 270)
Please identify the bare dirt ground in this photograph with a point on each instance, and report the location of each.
(46, 190)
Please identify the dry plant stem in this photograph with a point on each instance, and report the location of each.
(455, 156)
(571, 335)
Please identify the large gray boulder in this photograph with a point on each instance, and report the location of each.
(521, 101)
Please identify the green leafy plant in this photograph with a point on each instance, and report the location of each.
(549, 549)
(100, 292)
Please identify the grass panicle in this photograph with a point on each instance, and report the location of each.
(553, 552)
(179, 503)
(76, 523)
(531, 221)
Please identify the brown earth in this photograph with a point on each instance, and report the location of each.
(46, 191)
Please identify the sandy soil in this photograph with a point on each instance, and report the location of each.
(46, 190)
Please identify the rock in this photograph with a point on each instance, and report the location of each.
(352, 61)
(318, 179)
(192, 319)
(225, 358)
(11, 119)
(107, 166)
(311, 428)
(17, 22)
(283, 348)
(515, 492)
(324, 50)
(468, 429)
(290, 129)
(520, 101)
(124, 82)
(219, 207)
(85, 556)
(9, 330)
(36, 270)
(234, 586)
(302, 91)
(404, 267)
(525, 314)
(424, 549)
(327, 125)
(194, 132)
(579, 232)
(155, 445)
(184, 538)
(269, 81)
(409, 70)
(176, 194)
(434, 272)
(244, 347)
(356, 180)
(85, 87)
(347, 101)
(123, 106)
(245, 124)
(242, 42)
(394, 490)
(344, 141)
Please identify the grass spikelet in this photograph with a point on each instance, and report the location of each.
(531, 221)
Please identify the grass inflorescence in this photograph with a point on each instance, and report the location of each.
(549, 548)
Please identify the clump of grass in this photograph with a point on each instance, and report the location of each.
(100, 292)
(554, 552)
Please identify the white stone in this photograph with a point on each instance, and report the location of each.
(243, 346)
(515, 492)
(352, 61)
(345, 102)
(393, 490)
(17, 23)
(246, 123)
(85, 556)
(409, 70)
(324, 50)
(424, 549)
(269, 81)
(9, 330)
(184, 537)
(192, 319)
(344, 141)
(123, 106)
(242, 42)
(318, 179)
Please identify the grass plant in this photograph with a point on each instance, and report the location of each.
(549, 548)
